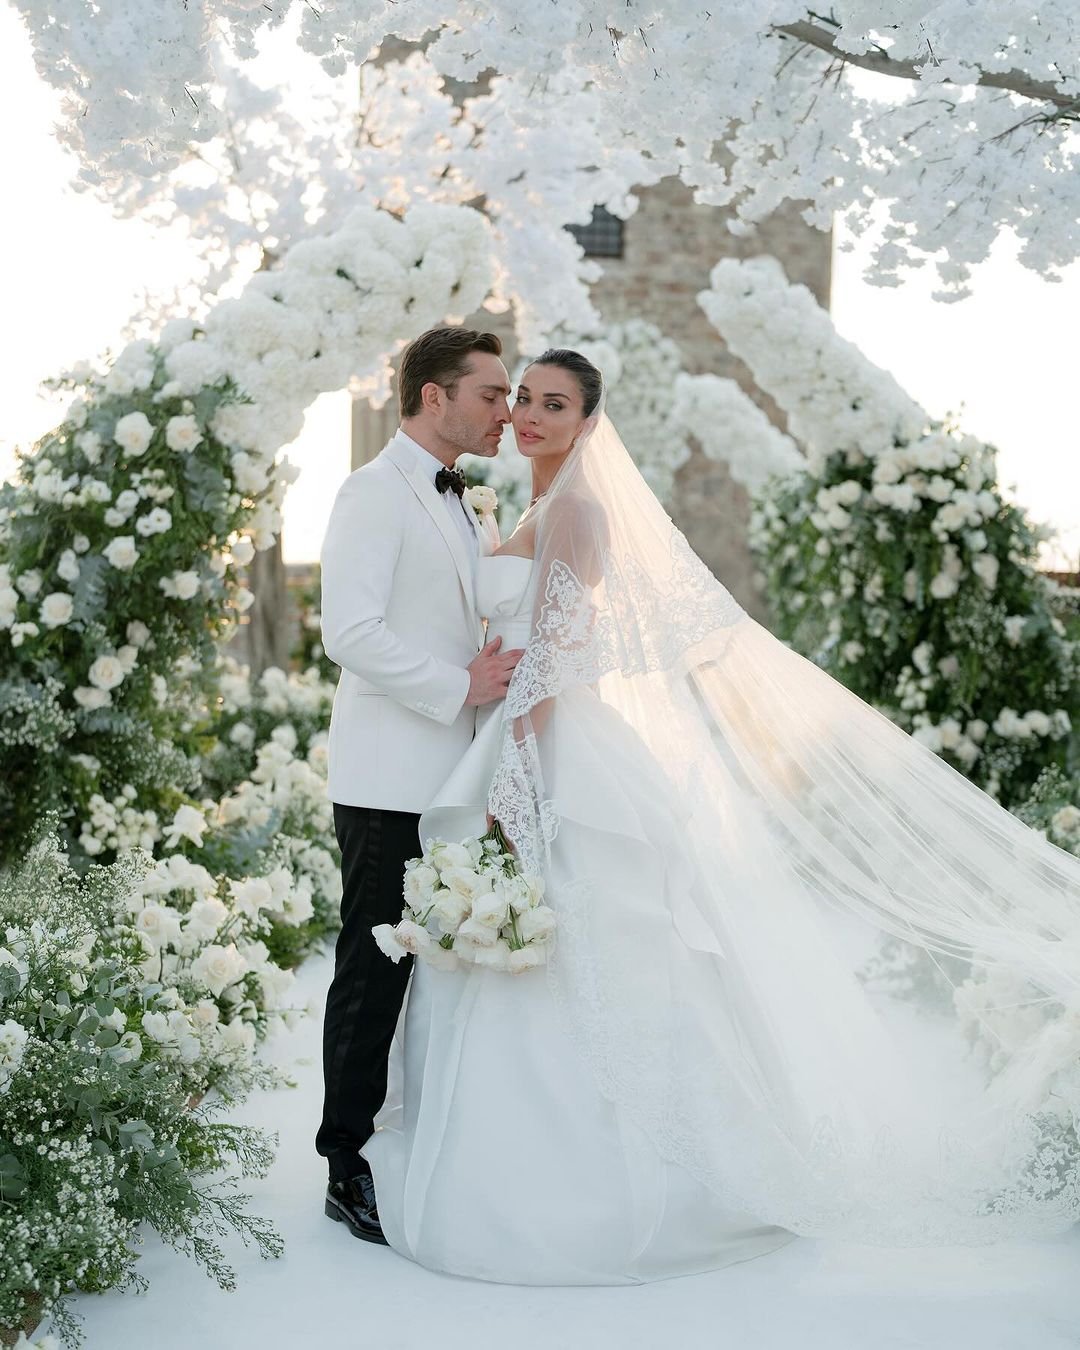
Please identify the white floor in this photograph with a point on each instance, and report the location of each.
(329, 1290)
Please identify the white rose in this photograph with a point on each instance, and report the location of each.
(68, 567)
(133, 434)
(1038, 722)
(412, 937)
(29, 583)
(1067, 820)
(483, 500)
(495, 957)
(128, 657)
(445, 855)
(420, 883)
(182, 434)
(467, 884)
(157, 1027)
(205, 1013)
(251, 895)
(159, 923)
(188, 823)
(943, 586)
(13, 1038)
(1007, 722)
(242, 551)
(156, 521)
(129, 1049)
(299, 906)
(1014, 628)
(217, 967)
(89, 442)
(56, 609)
(181, 585)
(207, 914)
(238, 1034)
(243, 599)
(985, 568)
(106, 672)
(950, 733)
(386, 940)
(121, 552)
(137, 633)
(477, 934)
(90, 699)
(450, 910)
(537, 924)
(527, 958)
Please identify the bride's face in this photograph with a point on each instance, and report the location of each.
(548, 412)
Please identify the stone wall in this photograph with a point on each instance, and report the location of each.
(670, 247)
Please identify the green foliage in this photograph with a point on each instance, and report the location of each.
(96, 1139)
(909, 578)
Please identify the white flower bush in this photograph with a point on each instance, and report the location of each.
(891, 557)
(116, 716)
(100, 1062)
(121, 541)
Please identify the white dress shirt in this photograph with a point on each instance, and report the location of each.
(459, 511)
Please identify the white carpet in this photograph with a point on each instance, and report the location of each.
(330, 1290)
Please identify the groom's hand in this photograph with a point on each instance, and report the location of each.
(490, 672)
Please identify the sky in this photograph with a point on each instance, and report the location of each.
(74, 277)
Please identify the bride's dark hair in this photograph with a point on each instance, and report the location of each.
(583, 370)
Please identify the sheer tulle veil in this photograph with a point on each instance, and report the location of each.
(715, 990)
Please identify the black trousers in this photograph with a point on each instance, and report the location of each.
(368, 989)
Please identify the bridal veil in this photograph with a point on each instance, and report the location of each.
(718, 991)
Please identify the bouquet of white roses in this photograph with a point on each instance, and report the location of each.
(471, 902)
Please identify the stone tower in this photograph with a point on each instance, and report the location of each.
(654, 266)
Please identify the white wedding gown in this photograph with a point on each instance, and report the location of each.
(496, 1155)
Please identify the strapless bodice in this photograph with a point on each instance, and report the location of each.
(504, 596)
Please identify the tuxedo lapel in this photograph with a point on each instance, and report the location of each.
(434, 505)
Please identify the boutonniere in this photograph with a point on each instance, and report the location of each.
(483, 500)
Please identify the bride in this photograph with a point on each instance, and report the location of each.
(726, 835)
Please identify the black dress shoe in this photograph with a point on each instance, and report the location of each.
(352, 1202)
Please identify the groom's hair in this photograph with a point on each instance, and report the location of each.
(439, 356)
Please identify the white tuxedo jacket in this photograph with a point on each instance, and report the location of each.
(399, 618)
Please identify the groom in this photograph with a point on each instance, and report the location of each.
(399, 618)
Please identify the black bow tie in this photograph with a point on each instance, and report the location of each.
(450, 480)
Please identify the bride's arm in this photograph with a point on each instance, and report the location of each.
(570, 545)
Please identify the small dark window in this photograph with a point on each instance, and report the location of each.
(602, 237)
